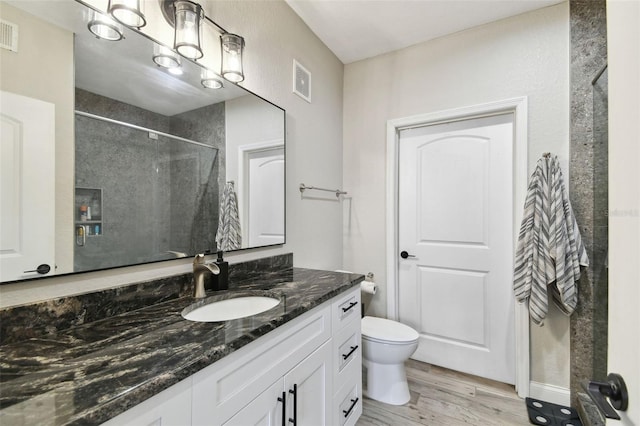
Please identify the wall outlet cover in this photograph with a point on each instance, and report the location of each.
(301, 81)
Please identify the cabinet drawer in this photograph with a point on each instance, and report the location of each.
(347, 348)
(347, 402)
(222, 389)
(346, 309)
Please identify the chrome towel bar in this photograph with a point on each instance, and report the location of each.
(338, 192)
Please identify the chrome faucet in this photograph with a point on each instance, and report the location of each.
(199, 269)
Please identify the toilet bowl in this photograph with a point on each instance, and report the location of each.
(386, 345)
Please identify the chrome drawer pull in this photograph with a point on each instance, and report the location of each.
(353, 349)
(353, 404)
(351, 305)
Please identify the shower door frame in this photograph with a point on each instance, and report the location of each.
(517, 106)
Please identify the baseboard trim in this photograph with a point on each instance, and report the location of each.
(550, 393)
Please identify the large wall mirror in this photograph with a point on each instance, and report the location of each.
(155, 162)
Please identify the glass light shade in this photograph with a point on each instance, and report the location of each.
(128, 12)
(210, 80)
(105, 28)
(232, 46)
(165, 57)
(187, 36)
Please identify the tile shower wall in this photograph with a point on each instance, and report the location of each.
(588, 187)
(164, 190)
(207, 125)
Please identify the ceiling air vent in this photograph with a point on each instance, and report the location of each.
(8, 35)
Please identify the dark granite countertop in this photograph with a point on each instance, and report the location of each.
(89, 373)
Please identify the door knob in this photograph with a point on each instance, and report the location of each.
(404, 254)
(41, 269)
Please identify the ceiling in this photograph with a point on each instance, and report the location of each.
(360, 29)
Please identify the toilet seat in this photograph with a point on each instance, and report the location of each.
(387, 331)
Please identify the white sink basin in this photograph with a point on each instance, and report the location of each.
(230, 309)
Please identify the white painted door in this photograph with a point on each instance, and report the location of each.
(27, 193)
(264, 410)
(265, 208)
(456, 221)
(623, 32)
(311, 382)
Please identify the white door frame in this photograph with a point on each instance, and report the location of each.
(517, 106)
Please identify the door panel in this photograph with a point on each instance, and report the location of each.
(466, 204)
(27, 166)
(264, 410)
(312, 378)
(265, 206)
(440, 290)
(456, 218)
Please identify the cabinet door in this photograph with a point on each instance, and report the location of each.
(265, 410)
(309, 387)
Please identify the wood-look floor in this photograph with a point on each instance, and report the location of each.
(442, 397)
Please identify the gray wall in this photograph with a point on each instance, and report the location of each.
(588, 187)
(157, 195)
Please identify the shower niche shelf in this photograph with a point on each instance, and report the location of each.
(88, 211)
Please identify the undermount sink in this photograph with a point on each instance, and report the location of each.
(229, 309)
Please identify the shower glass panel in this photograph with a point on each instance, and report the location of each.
(157, 193)
(601, 223)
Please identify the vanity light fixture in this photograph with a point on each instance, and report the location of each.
(104, 27)
(128, 12)
(188, 29)
(188, 19)
(210, 80)
(232, 47)
(165, 57)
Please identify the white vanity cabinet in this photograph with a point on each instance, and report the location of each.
(347, 359)
(302, 397)
(297, 353)
(305, 372)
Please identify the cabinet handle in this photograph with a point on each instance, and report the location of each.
(353, 349)
(351, 305)
(353, 405)
(295, 405)
(283, 399)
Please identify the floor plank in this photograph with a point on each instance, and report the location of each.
(441, 397)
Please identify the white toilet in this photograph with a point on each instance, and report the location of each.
(386, 345)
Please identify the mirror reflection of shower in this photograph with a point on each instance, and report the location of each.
(141, 195)
(601, 223)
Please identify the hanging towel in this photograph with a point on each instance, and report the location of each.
(229, 235)
(550, 251)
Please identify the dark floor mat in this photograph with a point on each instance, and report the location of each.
(548, 414)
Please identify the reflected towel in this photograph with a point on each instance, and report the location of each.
(229, 235)
(550, 249)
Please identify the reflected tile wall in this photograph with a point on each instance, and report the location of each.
(164, 190)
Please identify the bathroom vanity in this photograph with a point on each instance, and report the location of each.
(300, 360)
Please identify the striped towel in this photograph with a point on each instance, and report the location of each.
(229, 235)
(550, 249)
